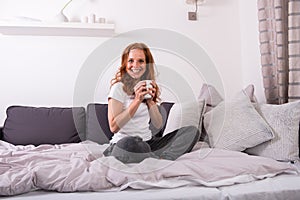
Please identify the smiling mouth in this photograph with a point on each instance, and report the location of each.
(136, 70)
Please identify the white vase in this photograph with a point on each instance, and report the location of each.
(61, 17)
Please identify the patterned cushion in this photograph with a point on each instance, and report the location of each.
(236, 125)
(210, 95)
(284, 119)
(212, 98)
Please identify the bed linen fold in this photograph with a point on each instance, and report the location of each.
(82, 167)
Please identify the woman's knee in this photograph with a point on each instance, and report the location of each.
(131, 150)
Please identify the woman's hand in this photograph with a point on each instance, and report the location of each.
(155, 115)
(152, 91)
(140, 90)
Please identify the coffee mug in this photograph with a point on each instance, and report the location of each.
(148, 85)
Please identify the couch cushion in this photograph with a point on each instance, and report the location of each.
(40, 125)
(164, 109)
(1, 132)
(185, 114)
(236, 125)
(97, 129)
(284, 120)
(212, 98)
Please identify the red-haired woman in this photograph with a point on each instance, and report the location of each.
(129, 112)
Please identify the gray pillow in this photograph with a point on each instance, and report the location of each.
(284, 119)
(1, 132)
(40, 125)
(211, 96)
(97, 126)
(236, 125)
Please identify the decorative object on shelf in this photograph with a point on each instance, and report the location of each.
(84, 19)
(101, 20)
(61, 17)
(92, 18)
(60, 26)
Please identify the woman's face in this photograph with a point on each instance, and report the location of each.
(136, 63)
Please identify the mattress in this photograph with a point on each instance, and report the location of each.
(279, 187)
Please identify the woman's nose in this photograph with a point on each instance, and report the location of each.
(135, 64)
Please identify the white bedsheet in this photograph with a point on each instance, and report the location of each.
(82, 167)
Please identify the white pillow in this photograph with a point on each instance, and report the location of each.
(184, 114)
(236, 125)
(284, 119)
(212, 97)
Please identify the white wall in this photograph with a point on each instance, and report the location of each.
(42, 70)
(251, 68)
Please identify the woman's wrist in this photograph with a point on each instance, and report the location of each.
(150, 103)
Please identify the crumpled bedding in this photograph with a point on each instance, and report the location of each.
(82, 167)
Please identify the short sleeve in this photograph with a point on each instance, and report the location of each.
(116, 92)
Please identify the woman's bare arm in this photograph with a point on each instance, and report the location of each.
(117, 117)
(155, 115)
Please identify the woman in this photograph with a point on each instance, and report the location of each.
(129, 113)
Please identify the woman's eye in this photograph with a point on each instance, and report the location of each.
(130, 61)
(141, 61)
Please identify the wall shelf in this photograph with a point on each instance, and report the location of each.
(57, 29)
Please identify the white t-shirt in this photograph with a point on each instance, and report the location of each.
(138, 125)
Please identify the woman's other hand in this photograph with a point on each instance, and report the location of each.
(140, 90)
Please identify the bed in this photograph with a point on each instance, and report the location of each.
(254, 160)
(78, 171)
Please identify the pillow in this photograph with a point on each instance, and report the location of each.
(39, 125)
(98, 127)
(164, 109)
(284, 119)
(1, 133)
(184, 114)
(212, 97)
(236, 125)
(249, 90)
